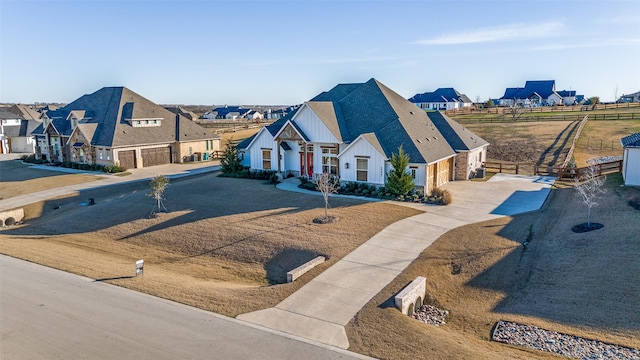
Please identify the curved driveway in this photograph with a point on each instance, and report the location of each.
(322, 307)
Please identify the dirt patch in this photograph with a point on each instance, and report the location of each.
(583, 284)
(221, 247)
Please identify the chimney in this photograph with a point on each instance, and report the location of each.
(177, 127)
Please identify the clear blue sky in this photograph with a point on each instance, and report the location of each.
(286, 52)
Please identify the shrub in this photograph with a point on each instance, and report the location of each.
(439, 196)
(111, 169)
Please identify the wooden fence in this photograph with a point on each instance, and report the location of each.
(566, 117)
(505, 167)
(541, 109)
(573, 143)
(571, 173)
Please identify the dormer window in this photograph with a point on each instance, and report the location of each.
(145, 122)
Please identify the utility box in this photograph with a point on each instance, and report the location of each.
(481, 173)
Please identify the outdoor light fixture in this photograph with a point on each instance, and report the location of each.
(346, 165)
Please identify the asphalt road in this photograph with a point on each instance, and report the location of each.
(50, 314)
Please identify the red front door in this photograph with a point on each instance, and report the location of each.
(306, 167)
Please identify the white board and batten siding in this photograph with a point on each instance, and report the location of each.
(376, 167)
(264, 140)
(311, 125)
(476, 158)
(631, 166)
(291, 157)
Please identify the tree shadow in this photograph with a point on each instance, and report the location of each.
(577, 279)
(286, 260)
(569, 130)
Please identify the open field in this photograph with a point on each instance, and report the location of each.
(583, 284)
(602, 138)
(18, 179)
(238, 135)
(225, 246)
(543, 143)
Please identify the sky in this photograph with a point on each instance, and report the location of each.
(286, 52)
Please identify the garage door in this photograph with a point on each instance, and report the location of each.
(156, 156)
(443, 172)
(127, 159)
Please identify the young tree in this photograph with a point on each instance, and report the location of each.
(590, 188)
(230, 159)
(158, 185)
(327, 186)
(399, 180)
(515, 109)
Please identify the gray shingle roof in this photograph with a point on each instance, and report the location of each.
(112, 109)
(372, 108)
(456, 135)
(632, 140)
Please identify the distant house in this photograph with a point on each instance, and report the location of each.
(253, 115)
(276, 114)
(226, 113)
(631, 159)
(538, 93)
(352, 130)
(26, 112)
(114, 125)
(635, 97)
(441, 99)
(15, 131)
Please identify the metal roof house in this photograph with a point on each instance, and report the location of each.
(115, 125)
(631, 159)
(352, 130)
(538, 93)
(441, 99)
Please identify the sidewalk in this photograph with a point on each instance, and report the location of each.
(172, 171)
(321, 308)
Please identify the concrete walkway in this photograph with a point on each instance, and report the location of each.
(172, 171)
(321, 308)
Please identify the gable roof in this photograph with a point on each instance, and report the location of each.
(114, 108)
(543, 88)
(372, 108)
(632, 140)
(456, 135)
(441, 95)
(273, 129)
(223, 111)
(25, 112)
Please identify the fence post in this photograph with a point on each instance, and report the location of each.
(501, 168)
(517, 169)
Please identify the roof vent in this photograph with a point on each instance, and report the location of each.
(420, 141)
(411, 112)
(428, 139)
(435, 138)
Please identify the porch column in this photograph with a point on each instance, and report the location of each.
(278, 157)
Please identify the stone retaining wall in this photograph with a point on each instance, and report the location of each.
(302, 269)
(412, 296)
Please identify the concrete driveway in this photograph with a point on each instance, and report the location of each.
(320, 309)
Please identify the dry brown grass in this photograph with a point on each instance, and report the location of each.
(584, 284)
(545, 143)
(602, 138)
(18, 179)
(221, 246)
(236, 135)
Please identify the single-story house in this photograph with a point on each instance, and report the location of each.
(351, 132)
(114, 125)
(271, 114)
(15, 132)
(442, 99)
(538, 93)
(631, 159)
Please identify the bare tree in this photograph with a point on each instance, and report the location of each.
(590, 188)
(158, 185)
(327, 186)
(515, 109)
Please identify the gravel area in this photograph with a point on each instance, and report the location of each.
(430, 315)
(603, 159)
(559, 343)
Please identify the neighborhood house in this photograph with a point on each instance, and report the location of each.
(442, 99)
(352, 130)
(116, 126)
(538, 93)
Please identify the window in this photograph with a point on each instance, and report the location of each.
(100, 154)
(108, 153)
(413, 170)
(330, 160)
(266, 159)
(362, 169)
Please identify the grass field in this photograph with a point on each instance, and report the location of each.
(583, 284)
(602, 138)
(225, 246)
(15, 181)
